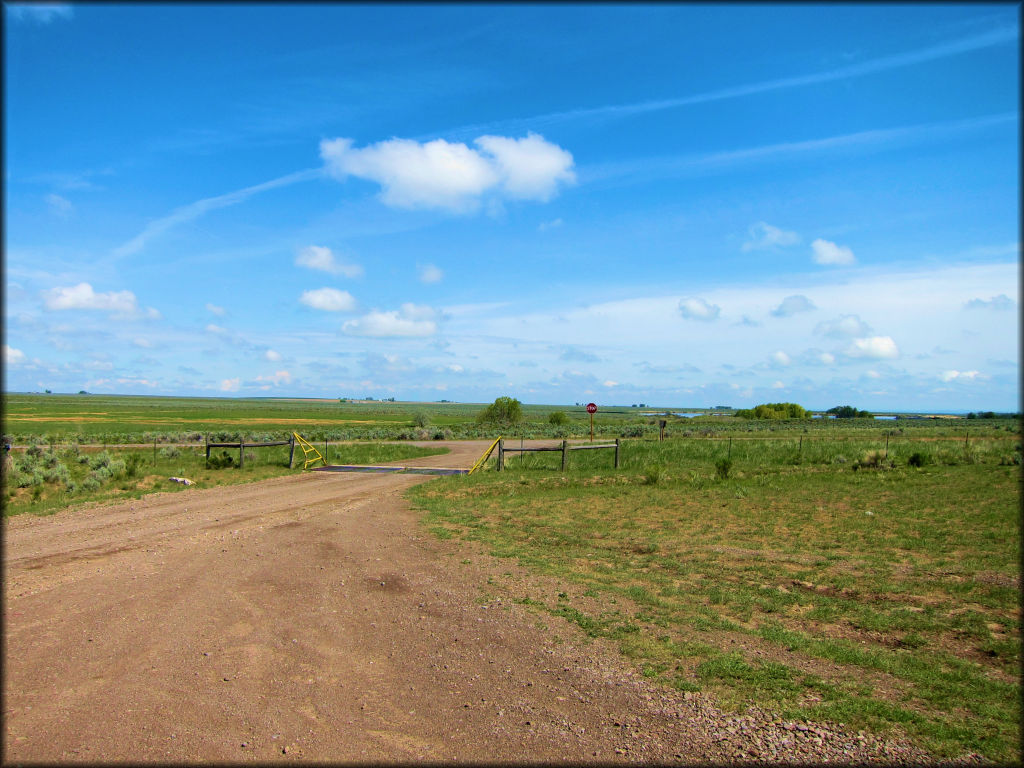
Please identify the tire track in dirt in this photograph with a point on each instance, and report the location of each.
(309, 617)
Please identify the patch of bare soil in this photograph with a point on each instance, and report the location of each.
(310, 617)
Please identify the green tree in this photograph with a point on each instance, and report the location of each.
(848, 412)
(774, 411)
(504, 410)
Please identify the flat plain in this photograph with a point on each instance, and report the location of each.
(795, 591)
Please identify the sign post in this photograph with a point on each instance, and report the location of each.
(591, 409)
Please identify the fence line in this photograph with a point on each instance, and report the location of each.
(564, 448)
(241, 445)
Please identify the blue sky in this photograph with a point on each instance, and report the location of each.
(685, 205)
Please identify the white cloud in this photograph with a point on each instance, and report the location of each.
(13, 356)
(408, 321)
(781, 358)
(611, 383)
(82, 296)
(279, 378)
(40, 13)
(272, 356)
(60, 206)
(843, 327)
(793, 304)
(874, 347)
(211, 328)
(948, 376)
(214, 309)
(698, 309)
(430, 274)
(321, 258)
(531, 168)
(778, 385)
(143, 343)
(827, 358)
(329, 300)
(544, 226)
(1002, 301)
(766, 237)
(230, 385)
(826, 252)
(453, 176)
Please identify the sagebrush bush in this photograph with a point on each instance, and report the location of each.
(132, 464)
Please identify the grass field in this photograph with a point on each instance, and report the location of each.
(860, 571)
(838, 583)
(99, 419)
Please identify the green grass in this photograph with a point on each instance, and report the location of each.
(55, 479)
(128, 419)
(877, 597)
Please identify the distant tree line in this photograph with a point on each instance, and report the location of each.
(774, 411)
(848, 412)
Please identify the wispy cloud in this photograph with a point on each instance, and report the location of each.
(430, 274)
(409, 320)
(791, 305)
(39, 13)
(60, 206)
(698, 309)
(668, 166)
(199, 208)
(1000, 302)
(764, 236)
(1003, 35)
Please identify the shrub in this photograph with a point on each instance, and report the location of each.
(99, 460)
(132, 464)
(872, 460)
(90, 483)
(558, 418)
(653, 474)
(722, 467)
(421, 420)
(220, 462)
(170, 452)
(918, 459)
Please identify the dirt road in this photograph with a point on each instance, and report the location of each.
(310, 617)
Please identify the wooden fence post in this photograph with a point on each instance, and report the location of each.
(501, 454)
(291, 452)
(241, 453)
(565, 445)
(616, 453)
(207, 449)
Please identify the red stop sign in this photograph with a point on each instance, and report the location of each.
(591, 408)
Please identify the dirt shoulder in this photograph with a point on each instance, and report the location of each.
(311, 617)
